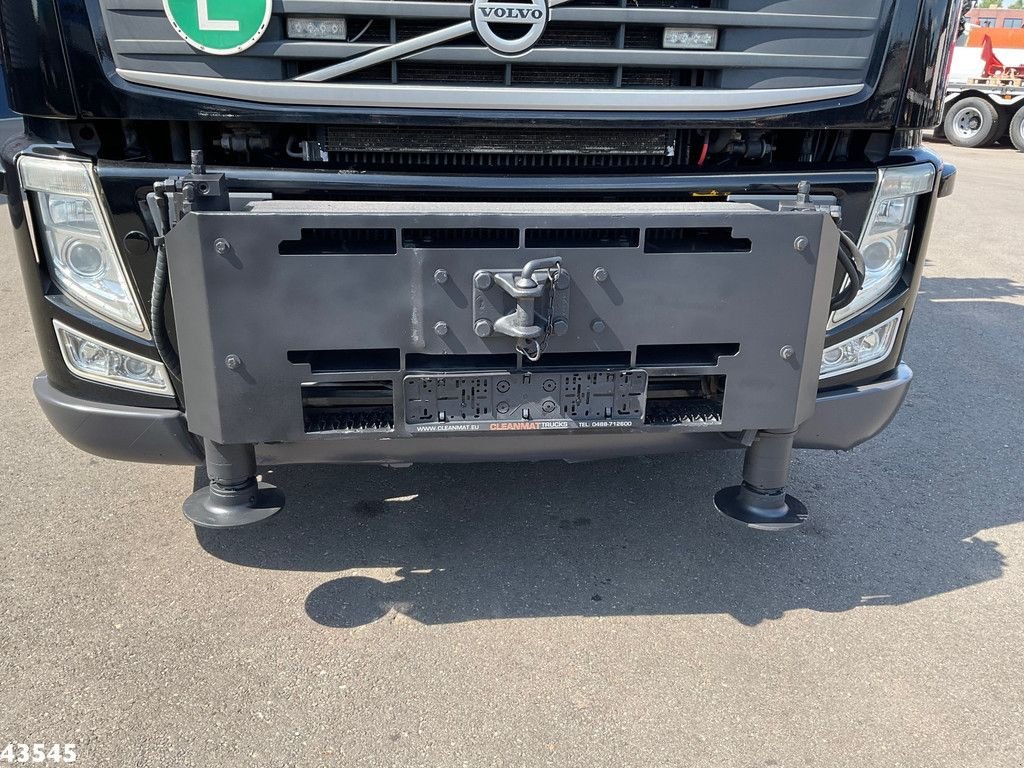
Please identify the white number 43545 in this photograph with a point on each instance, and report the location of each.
(38, 753)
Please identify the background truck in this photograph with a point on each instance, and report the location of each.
(257, 232)
(984, 100)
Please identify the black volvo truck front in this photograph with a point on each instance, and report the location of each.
(387, 231)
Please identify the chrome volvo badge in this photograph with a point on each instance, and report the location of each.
(509, 27)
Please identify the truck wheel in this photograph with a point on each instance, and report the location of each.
(1017, 129)
(972, 122)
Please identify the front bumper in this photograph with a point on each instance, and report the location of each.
(842, 419)
(123, 425)
(124, 432)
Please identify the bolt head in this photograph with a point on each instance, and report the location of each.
(548, 406)
(221, 246)
(482, 328)
(562, 281)
(503, 407)
(597, 326)
(233, 362)
(441, 276)
(801, 243)
(441, 328)
(482, 280)
(787, 352)
(560, 326)
(600, 274)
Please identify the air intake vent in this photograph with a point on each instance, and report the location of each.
(462, 237)
(340, 241)
(694, 240)
(582, 238)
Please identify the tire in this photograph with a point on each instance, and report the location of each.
(1017, 129)
(972, 122)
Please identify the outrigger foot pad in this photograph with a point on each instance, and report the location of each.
(217, 507)
(762, 511)
(761, 501)
(234, 497)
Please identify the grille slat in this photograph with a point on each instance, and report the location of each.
(650, 58)
(539, 55)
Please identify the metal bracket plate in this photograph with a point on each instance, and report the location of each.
(257, 303)
(500, 307)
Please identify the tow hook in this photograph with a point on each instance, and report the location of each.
(533, 304)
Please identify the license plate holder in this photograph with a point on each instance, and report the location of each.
(525, 400)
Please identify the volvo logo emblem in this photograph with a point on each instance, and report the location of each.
(510, 28)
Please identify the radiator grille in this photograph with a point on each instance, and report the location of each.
(592, 45)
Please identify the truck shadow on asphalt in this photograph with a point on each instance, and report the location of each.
(897, 520)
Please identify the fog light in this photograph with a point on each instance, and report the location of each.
(861, 350)
(690, 38)
(91, 359)
(831, 356)
(139, 369)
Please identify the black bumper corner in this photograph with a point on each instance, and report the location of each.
(124, 432)
(842, 419)
(847, 417)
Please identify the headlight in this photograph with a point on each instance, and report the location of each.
(885, 241)
(96, 360)
(862, 350)
(77, 241)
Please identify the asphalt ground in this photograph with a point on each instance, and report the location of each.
(594, 615)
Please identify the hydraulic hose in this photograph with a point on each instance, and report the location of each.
(156, 314)
(853, 264)
(157, 321)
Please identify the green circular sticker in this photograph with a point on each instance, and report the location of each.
(221, 27)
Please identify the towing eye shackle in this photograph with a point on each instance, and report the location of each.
(526, 289)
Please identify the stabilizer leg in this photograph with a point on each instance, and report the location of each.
(761, 501)
(233, 497)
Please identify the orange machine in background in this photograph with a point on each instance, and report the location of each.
(1001, 37)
